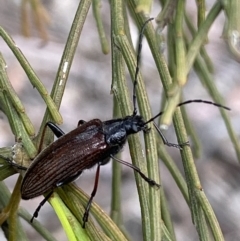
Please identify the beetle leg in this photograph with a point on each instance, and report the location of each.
(165, 141)
(86, 214)
(55, 129)
(81, 122)
(35, 214)
(68, 180)
(136, 169)
(105, 161)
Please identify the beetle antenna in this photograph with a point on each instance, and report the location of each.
(188, 102)
(138, 64)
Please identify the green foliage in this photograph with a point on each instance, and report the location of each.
(183, 55)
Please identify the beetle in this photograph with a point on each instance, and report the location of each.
(92, 143)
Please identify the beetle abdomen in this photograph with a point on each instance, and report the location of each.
(86, 145)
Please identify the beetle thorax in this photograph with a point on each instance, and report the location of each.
(116, 131)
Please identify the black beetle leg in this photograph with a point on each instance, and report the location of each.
(55, 129)
(81, 122)
(165, 141)
(137, 169)
(35, 214)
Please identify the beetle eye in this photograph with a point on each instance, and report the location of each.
(135, 128)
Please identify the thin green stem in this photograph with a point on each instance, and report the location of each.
(166, 216)
(4, 200)
(151, 154)
(195, 142)
(192, 178)
(16, 123)
(108, 226)
(180, 73)
(173, 169)
(150, 216)
(69, 223)
(36, 225)
(201, 11)
(116, 214)
(208, 81)
(212, 220)
(201, 35)
(71, 196)
(32, 76)
(66, 62)
(203, 51)
(119, 89)
(6, 171)
(97, 14)
(166, 234)
(8, 89)
(150, 143)
(13, 207)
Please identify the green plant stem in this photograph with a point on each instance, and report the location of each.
(4, 200)
(166, 216)
(69, 223)
(192, 179)
(166, 235)
(150, 143)
(13, 207)
(201, 11)
(108, 226)
(70, 194)
(201, 35)
(116, 214)
(208, 81)
(18, 128)
(159, 61)
(6, 171)
(97, 14)
(65, 64)
(115, 204)
(171, 50)
(195, 142)
(190, 170)
(166, 14)
(203, 51)
(119, 89)
(15, 121)
(36, 224)
(10, 92)
(173, 169)
(180, 75)
(32, 76)
(212, 220)
(150, 35)
(179, 69)
(202, 70)
(117, 76)
(144, 6)
(152, 226)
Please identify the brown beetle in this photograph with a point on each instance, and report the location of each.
(91, 143)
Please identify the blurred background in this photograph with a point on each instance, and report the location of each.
(87, 96)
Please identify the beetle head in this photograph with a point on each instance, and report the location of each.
(134, 124)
